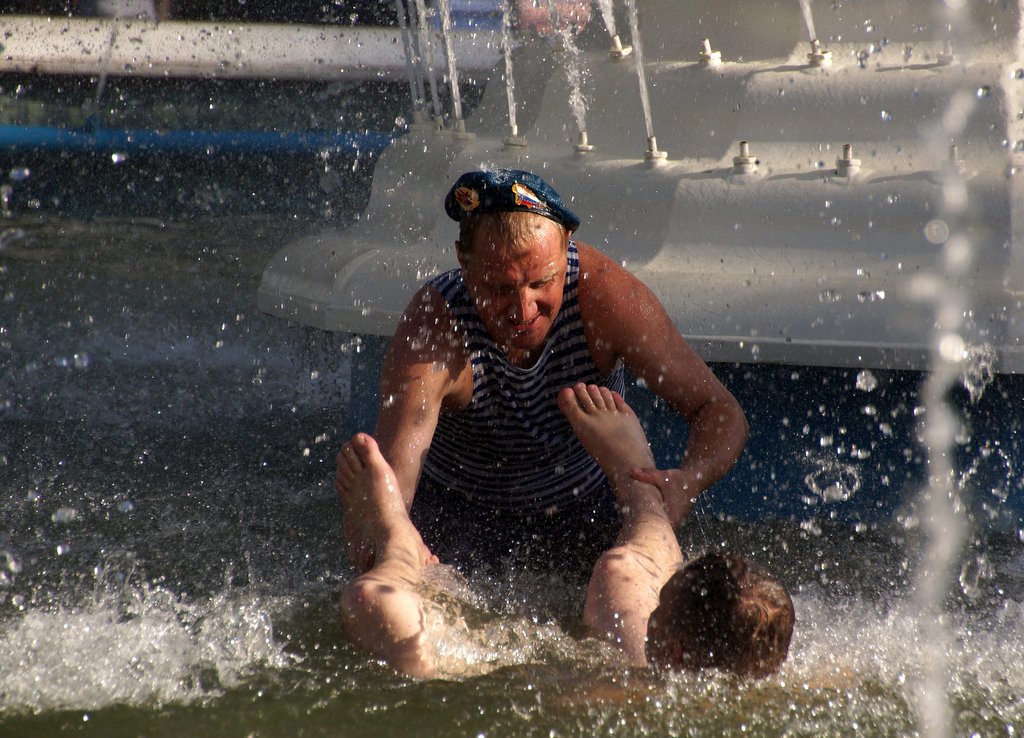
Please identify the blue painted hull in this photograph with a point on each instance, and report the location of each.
(57, 139)
(826, 445)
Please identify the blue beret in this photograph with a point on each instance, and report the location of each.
(502, 190)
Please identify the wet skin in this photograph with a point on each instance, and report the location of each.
(517, 290)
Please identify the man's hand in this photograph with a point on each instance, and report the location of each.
(678, 491)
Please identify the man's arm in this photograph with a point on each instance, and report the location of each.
(624, 319)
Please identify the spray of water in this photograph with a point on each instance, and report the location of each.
(449, 53)
(638, 56)
(135, 644)
(608, 15)
(413, 66)
(942, 518)
(93, 107)
(573, 68)
(805, 7)
(426, 53)
(506, 48)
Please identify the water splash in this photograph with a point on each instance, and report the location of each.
(475, 625)
(449, 53)
(978, 370)
(943, 521)
(426, 55)
(135, 644)
(832, 480)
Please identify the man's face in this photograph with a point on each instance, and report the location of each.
(517, 297)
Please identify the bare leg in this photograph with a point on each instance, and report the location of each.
(627, 579)
(381, 610)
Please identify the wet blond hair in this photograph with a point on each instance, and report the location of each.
(513, 227)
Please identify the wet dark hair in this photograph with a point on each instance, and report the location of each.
(723, 611)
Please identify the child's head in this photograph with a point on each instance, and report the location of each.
(721, 611)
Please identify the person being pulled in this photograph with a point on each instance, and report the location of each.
(478, 457)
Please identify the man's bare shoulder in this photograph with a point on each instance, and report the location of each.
(428, 346)
(427, 325)
(608, 293)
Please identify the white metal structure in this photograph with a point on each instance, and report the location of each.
(811, 208)
(224, 50)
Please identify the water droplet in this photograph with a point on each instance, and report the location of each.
(19, 174)
(866, 381)
(936, 231)
(65, 515)
(886, 116)
(984, 91)
(11, 563)
(951, 347)
(119, 157)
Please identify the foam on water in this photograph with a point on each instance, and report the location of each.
(142, 645)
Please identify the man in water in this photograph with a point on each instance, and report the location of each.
(474, 457)
(719, 611)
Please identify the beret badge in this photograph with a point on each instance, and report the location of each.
(468, 198)
(525, 197)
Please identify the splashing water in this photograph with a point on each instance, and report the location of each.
(943, 519)
(137, 645)
(832, 480)
(977, 372)
(449, 53)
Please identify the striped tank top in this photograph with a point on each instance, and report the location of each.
(511, 448)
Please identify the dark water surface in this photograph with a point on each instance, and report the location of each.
(170, 541)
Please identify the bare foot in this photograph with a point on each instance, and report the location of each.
(369, 489)
(607, 427)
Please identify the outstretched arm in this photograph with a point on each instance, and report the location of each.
(624, 319)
